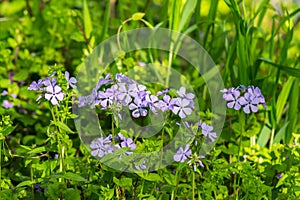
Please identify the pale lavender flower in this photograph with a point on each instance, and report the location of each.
(189, 96)
(123, 94)
(104, 81)
(232, 97)
(182, 154)
(82, 101)
(107, 98)
(167, 103)
(4, 93)
(101, 147)
(54, 94)
(13, 96)
(6, 104)
(182, 93)
(121, 78)
(50, 82)
(136, 89)
(92, 99)
(138, 108)
(71, 81)
(152, 102)
(36, 85)
(128, 142)
(249, 100)
(182, 107)
(163, 92)
(207, 132)
(141, 166)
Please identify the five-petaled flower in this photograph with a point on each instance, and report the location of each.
(182, 154)
(54, 94)
(71, 81)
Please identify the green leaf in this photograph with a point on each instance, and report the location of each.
(62, 126)
(137, 16)
(87, 20)
(72, 194)
(37, 150)
(123, 182)
(25, 183)
(74, 177)
(188, 9)
(8, 130)
(151, 177)
(289, 70)
(282, 98)
(281, 180)
(21, 75)
(264, 136)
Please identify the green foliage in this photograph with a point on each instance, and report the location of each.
(41, 154)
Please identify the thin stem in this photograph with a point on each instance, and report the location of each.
(272, 138)
(169, 64)
(193, 185)
(178, 173)
(119, 31)
(1, 161)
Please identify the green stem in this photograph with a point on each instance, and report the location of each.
(193, 185)
(272, 138)
(178, 173)
(1, 162)
(169, 64)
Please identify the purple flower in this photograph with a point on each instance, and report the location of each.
(107, 98)
(182, 108)
(152, 102)
(13, 96)
(279, 175)
(7, 104)
(232, 97)
(163, 92)
(137, 90)
(250, 99)
(38, 188)
(182, 154)
(91, 99)
(4, 93)
(167, 103)
(207, 132)
(101, 147)
(138, 108)
(182, 93)
(71, 81)
(141, 166)
(54, 94)
(121, 78)
(11, 76)
(127, 142)
(50, 82)
(36, 85)
(104, 81)
(82, 101)
(123, 94)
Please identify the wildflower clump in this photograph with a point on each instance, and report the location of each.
(248, 98)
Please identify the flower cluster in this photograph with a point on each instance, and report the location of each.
(103, 146)
(249, 98)
(50, 89)
(125, 92)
